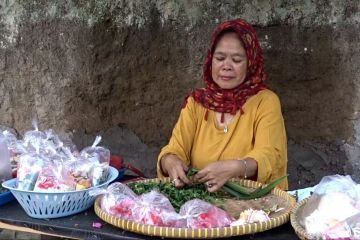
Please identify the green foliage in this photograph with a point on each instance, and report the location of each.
(243, 193)
(177, 196)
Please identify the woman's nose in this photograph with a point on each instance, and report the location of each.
(226, 65)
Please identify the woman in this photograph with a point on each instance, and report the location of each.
(233, 127)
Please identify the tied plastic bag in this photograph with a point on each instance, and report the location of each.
(53, 178)
(80, 169)
(35, 140)
(15, 148)
(320, 213)
(118, 200)
(99, 173)
(5, 167)
(95, 153)
(29, 167)
(154, 208)
(201, 214)
(151, 208)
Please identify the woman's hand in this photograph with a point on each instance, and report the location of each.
(217, 173)
(173, 166)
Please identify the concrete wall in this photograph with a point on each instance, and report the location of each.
(122, 69)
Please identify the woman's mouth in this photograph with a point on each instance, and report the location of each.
(226, 78)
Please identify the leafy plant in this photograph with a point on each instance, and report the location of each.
(177, 196)
(244, 193)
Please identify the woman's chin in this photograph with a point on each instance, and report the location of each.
(228, 86)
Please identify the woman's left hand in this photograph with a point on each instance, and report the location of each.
(217, 173)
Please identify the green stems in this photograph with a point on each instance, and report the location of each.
(244, 193)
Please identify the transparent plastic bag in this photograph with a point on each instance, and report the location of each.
(80, 169)
(28, 171)
(34, 140)
(9, 137)
(201, 214)
(337, 183)
(151, 208)
(53, 139)
(99, 173)
(321, 212)
(16, 149)
(119, 200)
(154, 208)
(95, 153)
(347, 229)
(53, 178)
(5, 166)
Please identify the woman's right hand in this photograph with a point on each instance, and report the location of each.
(173, 166)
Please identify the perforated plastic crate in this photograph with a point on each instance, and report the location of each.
(56, 204)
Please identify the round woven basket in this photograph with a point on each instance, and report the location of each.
(203, 232)
(299, 229)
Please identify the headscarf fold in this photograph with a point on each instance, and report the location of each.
(221, 100)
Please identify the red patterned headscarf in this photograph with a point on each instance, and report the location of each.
(231, 100)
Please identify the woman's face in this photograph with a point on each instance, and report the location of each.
(229, 63)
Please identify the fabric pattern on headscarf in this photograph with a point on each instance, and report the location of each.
(231, 100)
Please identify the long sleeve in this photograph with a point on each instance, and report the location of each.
(182, 137)
(259, 134)
(270, 144)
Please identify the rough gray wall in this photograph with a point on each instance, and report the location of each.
(122, 69)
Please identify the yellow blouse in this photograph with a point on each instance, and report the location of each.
(259, 133)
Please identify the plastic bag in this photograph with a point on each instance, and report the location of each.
(5, 167)
(80, 169)
(201, 214)
(34, 140)
(53, 178)
(347, 229)
(151, 208)
(321, 213)
(99, 173)
(119, 200)
(29, 167)
(154, 208)
(337, 183)
(95, 153)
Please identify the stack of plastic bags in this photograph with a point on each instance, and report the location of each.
(154, 208)
(45, 164)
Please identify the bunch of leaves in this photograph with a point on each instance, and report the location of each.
(244, 193)
(178, 196)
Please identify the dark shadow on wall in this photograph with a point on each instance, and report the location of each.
(312, 70)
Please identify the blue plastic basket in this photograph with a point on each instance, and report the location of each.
(56, 204)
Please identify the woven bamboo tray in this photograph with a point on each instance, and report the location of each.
(200, 233)
(299, 229)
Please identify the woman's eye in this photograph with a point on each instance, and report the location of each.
(220, 58)
(237, 60)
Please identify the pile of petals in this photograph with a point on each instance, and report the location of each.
(250, 216)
